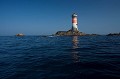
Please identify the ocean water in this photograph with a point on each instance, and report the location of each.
(60, 57)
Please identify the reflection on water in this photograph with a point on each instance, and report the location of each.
(75, 54)
(75, 42)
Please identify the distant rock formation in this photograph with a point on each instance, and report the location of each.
(20, 34)
(113, 34)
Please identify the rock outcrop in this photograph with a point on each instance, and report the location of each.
(113, 34)
(20, 34)
(70, 33)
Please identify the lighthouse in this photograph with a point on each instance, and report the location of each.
(74, 22)
(74, 30)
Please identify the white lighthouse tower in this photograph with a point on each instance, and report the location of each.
(74, 22)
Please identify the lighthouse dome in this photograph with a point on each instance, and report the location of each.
(74, 14)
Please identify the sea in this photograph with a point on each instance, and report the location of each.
(60, 57)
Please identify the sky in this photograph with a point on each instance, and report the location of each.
(44, 17)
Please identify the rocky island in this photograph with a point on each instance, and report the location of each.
(113, 34)
(19, 34)
(70, 33)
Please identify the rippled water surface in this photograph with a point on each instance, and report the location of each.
(37, 57)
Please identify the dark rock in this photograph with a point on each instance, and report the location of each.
(113, 34)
